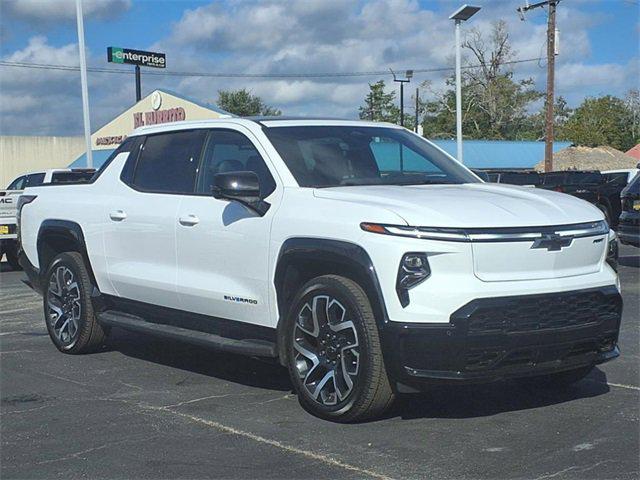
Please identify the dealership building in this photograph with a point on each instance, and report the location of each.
(24, 154)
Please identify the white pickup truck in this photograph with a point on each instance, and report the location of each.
(8, 231)
(362, 256)
(9, 203)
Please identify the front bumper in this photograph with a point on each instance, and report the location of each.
(490, 339)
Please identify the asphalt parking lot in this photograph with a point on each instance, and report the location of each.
(146, 408)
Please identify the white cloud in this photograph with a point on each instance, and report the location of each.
(52, 11)
(579, 75)
(275, 36)
(45, 101)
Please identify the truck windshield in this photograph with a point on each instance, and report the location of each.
(332, 156)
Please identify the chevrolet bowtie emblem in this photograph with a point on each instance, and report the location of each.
(552, 242)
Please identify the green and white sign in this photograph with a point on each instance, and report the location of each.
(136, 57)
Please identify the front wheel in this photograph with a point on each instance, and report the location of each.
(68, 309)
(333, 350)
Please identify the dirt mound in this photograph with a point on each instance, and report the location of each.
(586, 158)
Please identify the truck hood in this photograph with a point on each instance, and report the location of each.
(471, 205)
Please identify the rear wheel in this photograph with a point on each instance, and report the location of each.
(558, 380)
(334, 355)
(68, 309)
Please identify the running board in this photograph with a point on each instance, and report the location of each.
(253, 348)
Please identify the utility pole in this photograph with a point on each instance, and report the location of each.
(551, 63)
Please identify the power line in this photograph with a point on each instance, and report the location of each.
(72, 68)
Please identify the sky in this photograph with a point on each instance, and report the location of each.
(598, 41)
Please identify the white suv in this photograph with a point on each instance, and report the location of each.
(363, 257)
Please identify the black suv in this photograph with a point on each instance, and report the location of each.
(629, 224)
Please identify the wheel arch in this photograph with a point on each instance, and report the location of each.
(57, 236)
(302, 258)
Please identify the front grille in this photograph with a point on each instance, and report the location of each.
(542, 312)
(493, 358)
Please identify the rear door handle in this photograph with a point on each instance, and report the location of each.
(189, 220)
(117, 216)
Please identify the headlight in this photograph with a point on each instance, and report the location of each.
(413, 270)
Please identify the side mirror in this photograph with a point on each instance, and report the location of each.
(243, 187)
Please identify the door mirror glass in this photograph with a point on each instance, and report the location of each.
(243, 187)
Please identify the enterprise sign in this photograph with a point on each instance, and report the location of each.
(136, 57)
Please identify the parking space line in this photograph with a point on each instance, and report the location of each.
(621, 385)
(18, 310)
(617, 385)
(275, 443)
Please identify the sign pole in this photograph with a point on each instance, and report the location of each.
(137, 58)
(138, 84)
(83, 83)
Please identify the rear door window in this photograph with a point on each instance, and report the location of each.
(168, 162)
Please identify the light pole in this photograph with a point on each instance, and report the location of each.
(83, 83)
(407, 78)
(463, 14)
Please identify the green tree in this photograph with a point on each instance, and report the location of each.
(494, 104)
(380, 106)
(632, 99)
(535, 127)
(244, 104)
(599, 121)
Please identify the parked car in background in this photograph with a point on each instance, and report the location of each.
(629, 224)
(530, 178)
(9, 200)
(514, 177)
(622, 176)
(482, 175)
(361, 256)
(597, 188)
(8, 226)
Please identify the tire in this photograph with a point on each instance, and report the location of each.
(326, 352)
(557, 380)
(68, 310)
(11, 251)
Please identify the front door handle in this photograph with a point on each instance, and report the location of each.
(189, 220)
(117, 216)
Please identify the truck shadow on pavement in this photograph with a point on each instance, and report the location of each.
(470, 401)
(632, 261)
(452, 402)
(224, 366)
